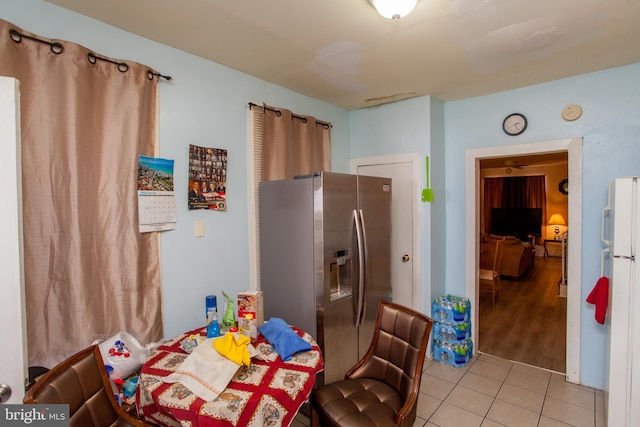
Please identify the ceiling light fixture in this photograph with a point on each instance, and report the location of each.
(394, 9)
(508, 164)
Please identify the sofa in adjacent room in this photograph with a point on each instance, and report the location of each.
(517, 256)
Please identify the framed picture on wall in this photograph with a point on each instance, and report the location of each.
(207, 178)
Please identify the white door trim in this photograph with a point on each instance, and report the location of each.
(415, 160)
(573, 147)
(13, 363)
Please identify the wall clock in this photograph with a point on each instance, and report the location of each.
(563, 186)
(514, 124)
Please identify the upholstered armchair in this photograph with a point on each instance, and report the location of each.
(81, 382)
(385, 384)
(517, 257)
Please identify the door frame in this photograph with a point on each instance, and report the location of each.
(13, 363)
(415, 162)
(573, 147)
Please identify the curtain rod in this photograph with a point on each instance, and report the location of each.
(57, 48)
(278, 112)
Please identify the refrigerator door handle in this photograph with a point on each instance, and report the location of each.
(363, 278)
(358, 300)
(607, 242)
(606, 209)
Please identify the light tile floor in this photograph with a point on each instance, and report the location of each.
(491, 392)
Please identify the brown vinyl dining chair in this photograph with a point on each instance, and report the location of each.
(382, 388)
(81, 382)
(489, 279)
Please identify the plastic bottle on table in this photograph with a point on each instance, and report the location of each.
(213, 329)
(229, 316)
(249, 327)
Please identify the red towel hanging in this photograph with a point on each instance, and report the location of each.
(600, 297)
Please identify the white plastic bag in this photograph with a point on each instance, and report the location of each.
(124, 354)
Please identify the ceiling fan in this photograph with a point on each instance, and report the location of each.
(510, 165)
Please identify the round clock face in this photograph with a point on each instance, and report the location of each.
(514, 124)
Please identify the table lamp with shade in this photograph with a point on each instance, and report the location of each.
(557, 220)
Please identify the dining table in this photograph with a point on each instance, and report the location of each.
(268, 392)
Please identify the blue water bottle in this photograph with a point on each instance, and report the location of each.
(211, 305)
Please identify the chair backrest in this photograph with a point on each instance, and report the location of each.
(397, 352)
(497, 260)
(81, 382)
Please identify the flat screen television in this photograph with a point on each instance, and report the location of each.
(519, 222)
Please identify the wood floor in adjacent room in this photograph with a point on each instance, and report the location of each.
(528, 322)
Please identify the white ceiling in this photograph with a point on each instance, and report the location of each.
(343, 52)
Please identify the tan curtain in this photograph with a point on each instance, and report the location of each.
(514, 192)
(492, 199)
(525, 192)
(293, 145)
(537, 196)
(89, 273)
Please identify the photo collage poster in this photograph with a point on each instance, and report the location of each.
(207, 178)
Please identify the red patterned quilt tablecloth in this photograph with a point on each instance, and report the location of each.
(267, 393)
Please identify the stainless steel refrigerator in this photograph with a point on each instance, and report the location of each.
(325, 255)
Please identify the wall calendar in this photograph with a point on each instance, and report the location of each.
(156, 200)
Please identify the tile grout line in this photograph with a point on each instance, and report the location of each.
(498, 392)
(456, 384)
(544, 400)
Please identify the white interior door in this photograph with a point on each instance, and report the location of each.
(13, 361)
(405, 259)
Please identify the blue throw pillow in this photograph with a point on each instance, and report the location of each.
(281, 337)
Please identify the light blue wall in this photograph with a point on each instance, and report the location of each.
(437, 226)
(412, 126)
(399, 127)
(205, 104)
(610, 126)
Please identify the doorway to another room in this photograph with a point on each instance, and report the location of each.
(526, 320)
(532, 322)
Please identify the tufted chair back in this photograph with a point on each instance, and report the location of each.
(81, 382)
(382, 389)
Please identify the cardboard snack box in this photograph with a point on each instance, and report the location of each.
(250, 302)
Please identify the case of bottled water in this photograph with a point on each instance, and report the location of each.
(454, 354)
(452, 342)
(455, 333)
(451, 309)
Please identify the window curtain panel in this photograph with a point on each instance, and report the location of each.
(492, 199)
(293, 145)
(514, 192)
(89, 273)
(525, 192)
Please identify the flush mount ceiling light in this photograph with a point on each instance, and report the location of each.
(394, 9)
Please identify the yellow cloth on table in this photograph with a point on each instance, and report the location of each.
(234, 347)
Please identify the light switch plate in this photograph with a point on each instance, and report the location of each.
(198, 229)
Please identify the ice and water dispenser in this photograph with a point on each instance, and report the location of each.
(340, 267)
